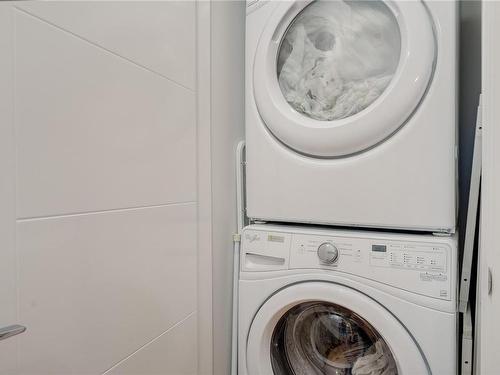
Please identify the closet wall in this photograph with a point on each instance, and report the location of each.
(227, 117)
(470, 88)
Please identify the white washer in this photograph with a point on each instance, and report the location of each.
(317, 301)
(351, 113)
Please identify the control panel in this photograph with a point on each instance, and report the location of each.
(409, 256)
(420, 264)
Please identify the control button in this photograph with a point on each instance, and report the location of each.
(425, 277)
(328, 253)
(440, 277)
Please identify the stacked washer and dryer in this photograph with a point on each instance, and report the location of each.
(350, 263)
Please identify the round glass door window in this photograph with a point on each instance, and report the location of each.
(316, 338)
(337, 57)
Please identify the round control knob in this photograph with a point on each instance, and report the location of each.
(328, 253)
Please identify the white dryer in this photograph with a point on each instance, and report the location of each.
(316, 301)
(351, 113)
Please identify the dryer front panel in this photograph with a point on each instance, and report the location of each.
(334, 78)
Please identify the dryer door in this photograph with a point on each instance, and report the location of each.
(333, 78)
(324, 328)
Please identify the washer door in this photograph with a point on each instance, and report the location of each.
(317, 328)
(333, 78)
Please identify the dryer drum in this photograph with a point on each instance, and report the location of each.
(337, 58)
(325, 338)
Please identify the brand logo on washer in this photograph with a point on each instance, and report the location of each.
(252, 237)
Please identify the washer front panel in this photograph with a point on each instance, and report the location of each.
(322, 337)
(369, 126)
(398, 344)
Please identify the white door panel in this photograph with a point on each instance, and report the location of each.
(98, 200)
(159, 35)
(176, 348)
(94, 131)
(488, 311)
(8, 298)
(94, 288)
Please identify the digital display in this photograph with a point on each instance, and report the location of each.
(379, 248)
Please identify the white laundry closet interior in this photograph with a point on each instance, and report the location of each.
(119, 127)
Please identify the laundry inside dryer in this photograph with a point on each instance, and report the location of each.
(338, 57)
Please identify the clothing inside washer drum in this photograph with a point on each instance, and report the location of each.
(337, 57)
(316, 338)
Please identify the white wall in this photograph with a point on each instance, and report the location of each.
(227, 124)
(205, 326)
(99, 172)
